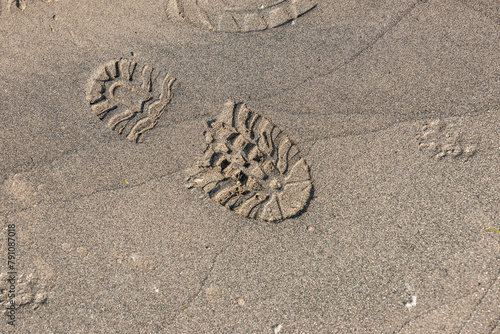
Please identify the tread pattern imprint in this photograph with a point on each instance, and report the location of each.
(129, 98)
(238, 15)
(252, 167)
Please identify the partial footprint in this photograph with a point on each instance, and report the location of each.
(18, 192)
(238, 15)
(130, 99)
(446, 139)
(28, 291)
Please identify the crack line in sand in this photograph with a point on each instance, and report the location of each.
(75, 198)
(360, 134)
(427, 312)
(497, 321)
(478, 303)
(478, 110)
(34, 166)
(483, 13)
(356, 55)
(31, 166)
(391, 125)
(207, 276)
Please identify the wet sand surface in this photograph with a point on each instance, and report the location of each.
(393, 104)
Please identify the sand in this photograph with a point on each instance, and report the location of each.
(393, 105)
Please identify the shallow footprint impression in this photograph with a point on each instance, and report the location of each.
(238, 15)
(120, 93)
(252, 167)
